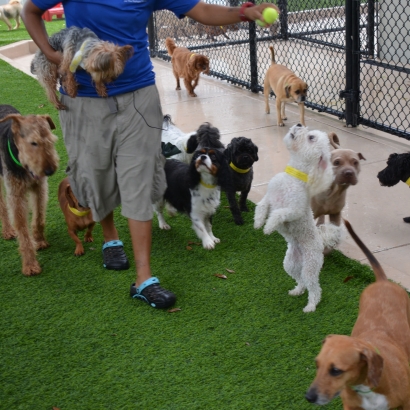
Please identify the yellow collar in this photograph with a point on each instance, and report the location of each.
(296, 173)
(192, 55)
(77, 212)
(207, 185)
(78, 57)
(241, 171)
(408, 182)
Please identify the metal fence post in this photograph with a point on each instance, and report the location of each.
(253, 56)
(370, 28)
(283, 19)
(352, 92)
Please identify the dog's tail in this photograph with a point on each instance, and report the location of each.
(170, 44)
(261, 213)
(272, 53)
(377, 269)
(331, 235)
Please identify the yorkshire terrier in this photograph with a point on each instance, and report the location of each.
(103, 60)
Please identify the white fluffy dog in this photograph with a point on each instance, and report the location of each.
(185, 142)
(286, 208)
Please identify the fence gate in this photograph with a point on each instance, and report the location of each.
(353, 56)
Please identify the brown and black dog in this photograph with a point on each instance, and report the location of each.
(287, 86)
(369, 369)
(186, 65)
(77, 217)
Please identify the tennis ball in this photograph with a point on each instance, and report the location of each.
(270, 15)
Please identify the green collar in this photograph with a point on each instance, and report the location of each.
(12, 156)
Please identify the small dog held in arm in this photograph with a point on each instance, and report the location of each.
(286, 208)
(369, 369)
(241, 154)
(11, 11)
(27, 158)
(186, 65)
(398, 169)
(103, 60)
(77, 217)
(194, 189)
(287, 88)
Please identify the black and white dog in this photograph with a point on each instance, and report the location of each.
(240, 153)
(194, 189)
(398, 169)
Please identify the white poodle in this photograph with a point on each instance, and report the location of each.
(286, 208)
(185, 142)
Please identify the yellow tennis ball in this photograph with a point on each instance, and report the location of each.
(270, 15)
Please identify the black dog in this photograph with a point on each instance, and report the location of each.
(398, 169)
(240, 153)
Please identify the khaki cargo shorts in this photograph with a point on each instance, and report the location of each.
(114, 151)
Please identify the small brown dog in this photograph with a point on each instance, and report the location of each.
(103, 60)
(346, 167)
(27, 158)
(287, 88)
(77, 217)
(11, 11)
(186, 65)
(370, 370)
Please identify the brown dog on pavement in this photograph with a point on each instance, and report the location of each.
(11, 11)
(27, 157)
(370, 370)
(346, 167)
(186, 65)
(77, 217)
(287, 88)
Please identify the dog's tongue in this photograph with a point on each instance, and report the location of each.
(322, 163)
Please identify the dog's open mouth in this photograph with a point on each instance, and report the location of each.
(32, 174)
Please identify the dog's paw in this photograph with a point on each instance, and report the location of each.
(208, 243)
(284, 118)
(31, 269)
(244, 208)
(178, 88)
(9, 234)
(79, 250)
(88, 238)
(164, 226)
(281, 124)
(192, 94)
(310, 307)
(297, 291)
(216, 240)
(43, 244)
(238, 220)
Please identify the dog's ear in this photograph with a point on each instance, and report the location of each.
(359, 154)
(326, 338)
(334, 140)
(287, 91)
(374, 365)
(70, 196)
(194, 175)
(15, 122)
(255, 158)
(50, 121)
(192, 144)
(126, 52)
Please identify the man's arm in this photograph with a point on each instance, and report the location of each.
(31, 15)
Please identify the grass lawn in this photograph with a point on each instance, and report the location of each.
(72, 338)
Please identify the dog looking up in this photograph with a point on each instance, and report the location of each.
(369, 369)
(286, 208)
(398, 169)
(11, 11)
(76, 216)
(103, 60)
(287, 87)
(186, 65)
(346, 168)
(194, 189)
(241, 154)
(27, 158)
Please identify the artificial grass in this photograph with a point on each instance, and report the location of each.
(73, 339)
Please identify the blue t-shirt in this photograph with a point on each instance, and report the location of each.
(122, 22)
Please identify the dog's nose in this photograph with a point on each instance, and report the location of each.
(203, 157)
(303, 98)
(311, 395)
(49, 171)
(299, 125)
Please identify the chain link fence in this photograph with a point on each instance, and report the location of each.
(354, 56)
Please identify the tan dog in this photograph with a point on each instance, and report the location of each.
(11, 11)
(346, 167)
(77, 217)
(287, 88)
(370, 370)
(186, 65)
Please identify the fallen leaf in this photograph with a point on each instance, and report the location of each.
(189, 248)
(347, 278)
(41, 106)
(247, 344)
(191, 243)
(174, 310)
(229, 270)
(56, 408)
(91, 249)
(219, 275)
(114, 334)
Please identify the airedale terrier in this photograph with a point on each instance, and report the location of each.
(27, 157)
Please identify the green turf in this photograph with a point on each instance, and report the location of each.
(72, 338)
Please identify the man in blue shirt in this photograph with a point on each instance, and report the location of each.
(114, 143)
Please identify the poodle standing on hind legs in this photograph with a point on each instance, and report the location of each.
(286, 208)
